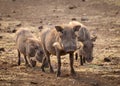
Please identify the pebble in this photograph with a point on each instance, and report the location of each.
(72, 7)
(73, 19)
(2, 49)
(106, 59)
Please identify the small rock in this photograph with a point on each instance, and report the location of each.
(40, 28)
(41, 75)
(106, 59)
(2, 49)
(13, 65)
(11, 82)
(57, 16)
(100, 64)
(72, 7)
(5, 63)
(3, 68)
(41, 21)
(73, 19)
(8, 15)
(13, 0)
(97, 28)
(33, 82)
(83, 0)
(18, 25)
(48, 77)
(117, 12)
(1, 18)
(94, 84)
(13, 31)
(54, 10)
(1, 37)
(84, 18)
(49, 24)
(13, 11)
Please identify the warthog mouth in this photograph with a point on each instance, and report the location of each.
(89, 59)
(70, 49)
(33, 63)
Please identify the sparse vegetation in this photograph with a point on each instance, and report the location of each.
(103, 18)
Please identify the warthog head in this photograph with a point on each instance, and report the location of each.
(67, 37)
(34, 48)
(88, 49)
(39, 55)
(84, 36)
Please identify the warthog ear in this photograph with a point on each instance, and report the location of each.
(94, 38)
(77, 27)
(59, 28)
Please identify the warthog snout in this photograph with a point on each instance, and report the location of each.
(89, 59)
(70, 49)
(39, 55)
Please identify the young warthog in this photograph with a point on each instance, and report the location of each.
(29, 46)
(59, 41)
(83, 35)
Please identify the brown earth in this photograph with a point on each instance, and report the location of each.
(102, 17)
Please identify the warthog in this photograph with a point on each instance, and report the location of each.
(29, 46)
(83, 35)
(59, 41)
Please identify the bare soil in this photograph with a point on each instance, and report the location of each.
(102, 17)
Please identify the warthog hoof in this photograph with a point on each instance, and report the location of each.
(19, 63)
(73, 72)
(33, 63)
(42, 68)
(58, 74)
(51, 70)
(46, 65)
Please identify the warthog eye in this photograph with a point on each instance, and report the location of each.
(41, 52)
(36, 48)
(92, 45)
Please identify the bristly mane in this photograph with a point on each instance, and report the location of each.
(83, 34)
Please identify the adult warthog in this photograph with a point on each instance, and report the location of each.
(83, 35)
(29, 46)
(59, 41)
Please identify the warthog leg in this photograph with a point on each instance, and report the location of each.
(59, 64)
(19, 61)
(84, 61)
(76, 56)
(47, 57)
(29, 62)
(81, 60)
(26, 62)
(49, 62)
(71, 57)
(43, 64)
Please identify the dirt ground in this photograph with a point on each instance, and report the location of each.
(102, 17)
